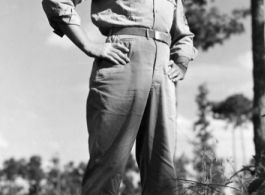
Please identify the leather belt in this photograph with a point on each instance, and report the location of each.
(144, 32)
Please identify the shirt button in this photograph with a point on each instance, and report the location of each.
(156, 11)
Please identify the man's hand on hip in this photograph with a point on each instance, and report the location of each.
(178, 70)
(114, 52)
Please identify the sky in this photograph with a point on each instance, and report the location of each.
(44, 85)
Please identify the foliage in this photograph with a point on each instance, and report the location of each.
(22, 177)
(236, 109)
(254, 180)
(201, 129)
(209, 25)
(205, 162)
(35, 180)
(211, 177)
(256, 185)
(212, 27)
(129, 185)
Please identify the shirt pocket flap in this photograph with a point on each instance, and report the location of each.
(173, 2)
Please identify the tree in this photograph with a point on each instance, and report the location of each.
(211, 27)
(66, 180)
(34, 174)
(131, 171)
(11, 171)
(237, 111)
(53, 177)
(258, 119)
(181, 172)
(71, 178)
(205, 162)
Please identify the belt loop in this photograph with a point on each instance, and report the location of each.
(147, 33)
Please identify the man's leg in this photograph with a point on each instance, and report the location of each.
(156, 139)
(116, 103)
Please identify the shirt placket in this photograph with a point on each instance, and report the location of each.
(155, 11)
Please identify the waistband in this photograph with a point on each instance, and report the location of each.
(144, 32)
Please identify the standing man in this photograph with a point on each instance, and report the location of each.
(132, 87)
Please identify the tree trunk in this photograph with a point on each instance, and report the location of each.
(242, 141)
(234, 147)
(257, 11)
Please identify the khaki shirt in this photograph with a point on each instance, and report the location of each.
(162, 15)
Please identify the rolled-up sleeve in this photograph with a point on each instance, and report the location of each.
(61, 12)
(182, 38)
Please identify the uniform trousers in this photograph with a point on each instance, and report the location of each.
(132, 102)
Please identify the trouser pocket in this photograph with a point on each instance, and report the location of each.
(107, 69)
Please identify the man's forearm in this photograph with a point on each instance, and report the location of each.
(77, 35)
(114, 52)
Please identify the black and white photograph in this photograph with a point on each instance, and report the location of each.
(132, 97)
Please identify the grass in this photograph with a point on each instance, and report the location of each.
(249, 180)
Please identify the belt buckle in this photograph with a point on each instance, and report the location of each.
(157, 35)
(161, 37)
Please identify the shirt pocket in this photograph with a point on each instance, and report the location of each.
(167, 10)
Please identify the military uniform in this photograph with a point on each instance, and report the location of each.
(135, 101)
